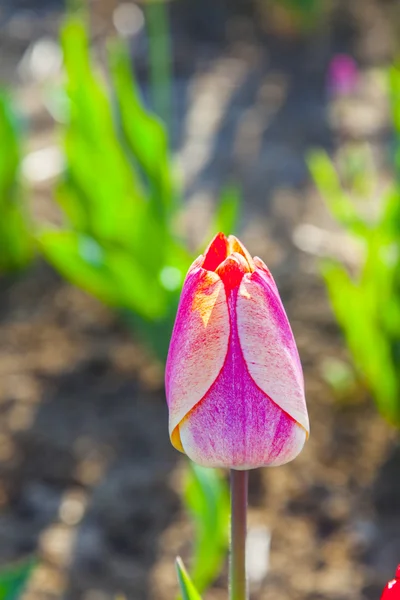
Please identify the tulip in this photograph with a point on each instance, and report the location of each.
(234, 381)
(343, 75)
(392, 588)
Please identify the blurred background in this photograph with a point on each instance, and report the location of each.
(130, 132)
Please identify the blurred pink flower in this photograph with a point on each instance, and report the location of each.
(234, 381)
(342, 75)
(392, 588)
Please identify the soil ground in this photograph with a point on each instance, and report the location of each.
(88, 478)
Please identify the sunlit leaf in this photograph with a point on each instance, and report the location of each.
(145, 135)
(15, 238)
(188, 590)
(109, 273)
(96, 163)
(207, 499)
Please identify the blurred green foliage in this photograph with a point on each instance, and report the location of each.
(306, 12)
(366, 299)
(227, 212)
(120, 204)
(187, 587)
(13, 579)
(15, 237)
(206, 497)
(296, 18)
(160, 57)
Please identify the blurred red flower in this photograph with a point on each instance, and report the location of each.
(392, 588)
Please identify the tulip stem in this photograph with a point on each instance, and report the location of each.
(237, 570)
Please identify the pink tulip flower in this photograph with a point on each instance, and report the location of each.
(234, 381)
(343, 75)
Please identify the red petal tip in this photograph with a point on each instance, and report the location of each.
(216, 252)
(232, 270)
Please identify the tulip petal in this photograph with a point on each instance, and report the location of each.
(236, 425)
(268, 346)
(243, 435)
(198, 346)
(216, 252)
(259, 264)
(232, 270)
(236, 245)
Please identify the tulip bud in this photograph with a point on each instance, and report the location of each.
(392, 588)
(234, 381)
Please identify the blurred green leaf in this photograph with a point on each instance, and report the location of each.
(145, 135)
(9, 161)
(368, 344)
(13, 579)
(117, 195)
(357, 169)
(206, 496)
(227, 214)
(367, 303)
(306, 12)
(110, 192)
(108, 273)
(158, 31)
(16, 246)
(119, 239)
(337, 201)
(186, 585)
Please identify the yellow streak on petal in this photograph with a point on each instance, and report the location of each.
(176, 440)
(203, 304)
(235, 245)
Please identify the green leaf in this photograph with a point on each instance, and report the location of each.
(109, 190)
(15, 239)
(227, 214)
(9, 160)
(118, 241)
(145, 135)
(339, 204)
(186, 585)
(108, 273)
(390, 216)
(369, 345)
(74, 205)
(16, 246)
(88, 100)
(13, 579)
(206, 496)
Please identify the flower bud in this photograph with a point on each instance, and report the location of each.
(234, 381)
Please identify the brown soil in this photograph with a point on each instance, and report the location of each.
(88, 478)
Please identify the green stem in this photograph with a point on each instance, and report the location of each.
(160, 54)
(237, 571)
